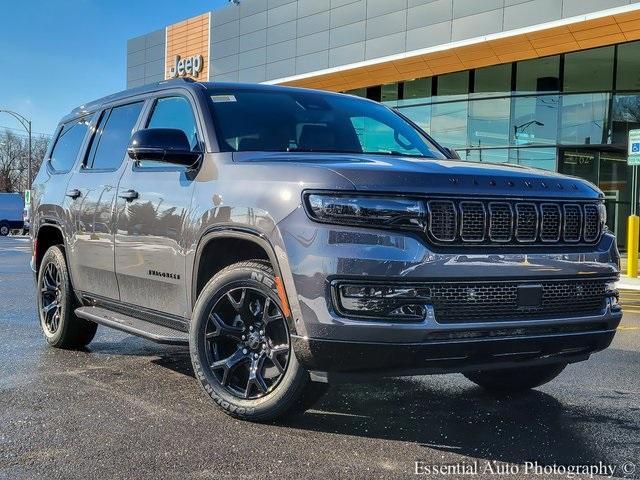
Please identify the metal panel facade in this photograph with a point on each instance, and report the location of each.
(265, 40)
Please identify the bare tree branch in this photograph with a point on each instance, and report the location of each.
(14, 159)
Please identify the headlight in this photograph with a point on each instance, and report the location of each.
(365, 210)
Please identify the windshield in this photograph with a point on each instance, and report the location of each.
(292, 121)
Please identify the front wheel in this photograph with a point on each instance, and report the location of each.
(241, 349)
(515, 379)
(5, 228)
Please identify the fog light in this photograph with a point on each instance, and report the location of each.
(408, 303)
(611, 291)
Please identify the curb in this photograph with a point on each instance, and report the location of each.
(626, 283)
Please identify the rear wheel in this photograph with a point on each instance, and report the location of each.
(5, 228)
(56, 304)
(241, 349)
(515, 379)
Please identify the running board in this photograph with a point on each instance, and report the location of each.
(134, 326)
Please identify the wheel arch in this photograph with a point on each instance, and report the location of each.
(205, 265)
(48, 235)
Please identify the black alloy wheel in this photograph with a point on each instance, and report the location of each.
(51, 297)
(247, 343)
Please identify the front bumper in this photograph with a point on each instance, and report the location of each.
(499, 348)
(326, 340)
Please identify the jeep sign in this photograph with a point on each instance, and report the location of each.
(186, 66)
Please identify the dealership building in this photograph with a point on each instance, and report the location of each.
(553, 84)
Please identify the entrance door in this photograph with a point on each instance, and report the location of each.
(607, 168)
(152, 208)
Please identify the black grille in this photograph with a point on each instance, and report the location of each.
(551, 222)
(526, 222)
(501, 218)
(443, 220)
(488, 222)
(472, 226)
(591, 223)
(491, 302)
(572, 223)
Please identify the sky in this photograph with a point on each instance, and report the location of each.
(58, 54)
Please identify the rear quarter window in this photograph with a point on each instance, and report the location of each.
(68, 144)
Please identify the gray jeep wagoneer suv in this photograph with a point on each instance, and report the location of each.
(293, 238)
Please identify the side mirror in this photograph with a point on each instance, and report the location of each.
(169, 145)
(451, 152)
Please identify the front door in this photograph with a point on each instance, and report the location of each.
(91, 195)
(152, 207)
(607, 168)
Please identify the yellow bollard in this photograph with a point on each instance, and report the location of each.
(632, 245)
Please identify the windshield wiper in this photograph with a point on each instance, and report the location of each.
(393, 153)
(323, 150)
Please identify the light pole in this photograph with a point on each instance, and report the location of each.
(520, 128)
(26, 124)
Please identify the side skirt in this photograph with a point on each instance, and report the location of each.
(134, 326)
(148, 315)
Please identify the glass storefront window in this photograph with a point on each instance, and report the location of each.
(589, 70)
(625, 116)
(493, 79)
(538, 75)
(449, 123)
(488, 123)
(389, 94)
(609, 171)
(583, 118)
(489, 155)
(534, 120)
(628, 74)
(358, 92)
(544, 158)
(416, 91)
(420, 115)
(452, 84)
(580, 163)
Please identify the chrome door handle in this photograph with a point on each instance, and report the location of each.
(129, 195)
(75, 193)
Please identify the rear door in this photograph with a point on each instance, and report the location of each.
(50, 184)
(150, 237)
(91, 193)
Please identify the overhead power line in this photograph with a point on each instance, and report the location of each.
(21, 133)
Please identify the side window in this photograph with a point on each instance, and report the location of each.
(172, 112)
(67, 145)
(110, 142)
(175, 112)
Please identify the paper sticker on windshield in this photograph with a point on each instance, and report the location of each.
(223, 98)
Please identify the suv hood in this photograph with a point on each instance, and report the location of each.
(381, 173)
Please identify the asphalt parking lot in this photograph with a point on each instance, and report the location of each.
(127, 408)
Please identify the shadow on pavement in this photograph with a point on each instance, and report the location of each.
(463, 420)
(443, 413)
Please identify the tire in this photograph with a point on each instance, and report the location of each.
(5, 228)
(512, 380)
(228, 336)
(60, 326)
